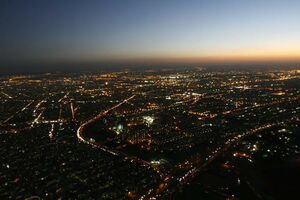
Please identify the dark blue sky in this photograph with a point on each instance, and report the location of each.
(136, 31)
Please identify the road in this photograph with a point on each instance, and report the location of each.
(18, 112)
(176, 184)
(80, 134)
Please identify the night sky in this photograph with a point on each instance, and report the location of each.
(37, 34)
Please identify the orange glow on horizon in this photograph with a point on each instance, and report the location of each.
(223, 56)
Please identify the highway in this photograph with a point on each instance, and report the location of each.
(178, 183)
(80, 135)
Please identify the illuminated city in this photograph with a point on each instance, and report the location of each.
(149, 100)
(149, 134)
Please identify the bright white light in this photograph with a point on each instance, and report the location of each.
(148, 120)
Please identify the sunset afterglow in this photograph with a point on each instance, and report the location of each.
(149, 32)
